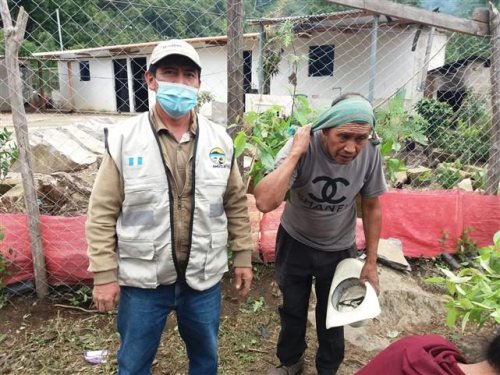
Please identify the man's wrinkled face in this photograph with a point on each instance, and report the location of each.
(346, 141)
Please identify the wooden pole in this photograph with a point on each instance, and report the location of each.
(235, 106)
(410, 13)
(14, 36)
(493, 175)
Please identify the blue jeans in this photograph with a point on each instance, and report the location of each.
(142, 315)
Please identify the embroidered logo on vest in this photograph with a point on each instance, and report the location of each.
(218, 157)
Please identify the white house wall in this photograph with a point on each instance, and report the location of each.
(397, 65)
(97, 94)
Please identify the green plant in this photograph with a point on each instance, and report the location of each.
(469, 144)
(474, 291)
(8, 152)
(278, 38)
(264, 134)
(82, 296)
(204, 97)
(464, 134)
(479, 180)
(398, 125)
(448, 175)
(253, 306)
(474, 110)
(437, 114)
(466, 248)
(393, 165)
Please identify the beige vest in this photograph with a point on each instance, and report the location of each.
(144, 235)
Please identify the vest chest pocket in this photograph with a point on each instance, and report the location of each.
(141, 196)
(142, 210)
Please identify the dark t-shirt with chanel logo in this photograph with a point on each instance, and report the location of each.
(321, 211)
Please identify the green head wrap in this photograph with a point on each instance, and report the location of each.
(351, 109)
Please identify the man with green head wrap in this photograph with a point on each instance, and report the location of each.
(324, 166)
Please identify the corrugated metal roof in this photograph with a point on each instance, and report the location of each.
(128, 49)
(340, 21)
(314, 17)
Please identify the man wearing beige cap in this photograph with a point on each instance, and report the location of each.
(167, 198)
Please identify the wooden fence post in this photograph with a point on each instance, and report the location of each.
(493, 176)
(14, 36)
(235, 92)
(235, 105)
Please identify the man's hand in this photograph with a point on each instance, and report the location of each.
(369, 273)
(106, 296)
(301, 140)
(243, 280)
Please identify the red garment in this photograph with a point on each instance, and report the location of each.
(416, 355)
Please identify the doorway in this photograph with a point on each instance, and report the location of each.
(139, 86)
(121, 85)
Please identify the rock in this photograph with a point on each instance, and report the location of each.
(12, 201)
(420, 176)
(8, 183)
(85, 140)
(53, 151)
(465, 185)
(390, 253)
(15, 193)
(401, 177)
(441, 156)
(473, 169)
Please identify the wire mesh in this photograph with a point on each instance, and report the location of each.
(83, 63)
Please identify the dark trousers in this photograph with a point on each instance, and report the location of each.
(296, 266)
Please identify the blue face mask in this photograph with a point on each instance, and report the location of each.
(176, 99)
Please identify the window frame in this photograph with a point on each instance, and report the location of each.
(318, 55)
(84, 66)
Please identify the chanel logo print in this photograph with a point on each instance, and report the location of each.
(329, 189)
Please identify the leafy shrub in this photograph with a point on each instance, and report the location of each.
(8, 152)
(204, 97)
(437, 114)
(266, 133)
(474, 111)
(468, 143)
(392, 164)
(448, 175)
(465, 134)
(398, 125)
(474, 292)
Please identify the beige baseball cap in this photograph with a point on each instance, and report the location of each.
(174, 47)
(349, 302)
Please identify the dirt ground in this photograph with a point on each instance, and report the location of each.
(50, 337)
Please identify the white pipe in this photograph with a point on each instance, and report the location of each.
(59, 29)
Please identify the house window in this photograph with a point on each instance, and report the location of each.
(321, 60)
(84, 71)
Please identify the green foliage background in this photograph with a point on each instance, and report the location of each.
(96, 23)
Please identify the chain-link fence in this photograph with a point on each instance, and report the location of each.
(83, 64)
